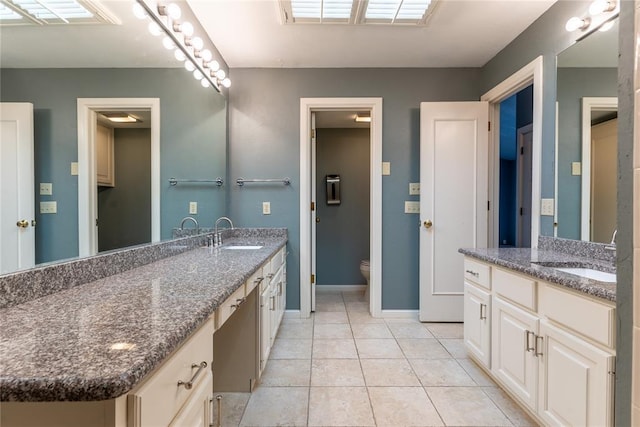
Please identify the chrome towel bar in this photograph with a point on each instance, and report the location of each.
(241, 181)
(218, 181)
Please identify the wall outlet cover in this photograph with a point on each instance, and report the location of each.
(74, 168)
(576, 168)
(411, 207)
(46, 189)
(266, 208)
(48, 207)
(414, 188)
(546, 207)
(386, 168)
(193, 208)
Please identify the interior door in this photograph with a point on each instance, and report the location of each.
(604, 175)
(17, 233)
(314, 215)
(454, 202)
(525, 158)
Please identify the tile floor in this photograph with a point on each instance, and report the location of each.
(342, 367)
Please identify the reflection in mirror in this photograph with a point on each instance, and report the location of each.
(52, 66)
(586, 145)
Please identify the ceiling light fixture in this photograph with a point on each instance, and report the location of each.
(189, 49)
(575, 23)
(362, 118)
(121, 118)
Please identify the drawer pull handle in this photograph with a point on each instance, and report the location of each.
(258, 280)
(189, 384)
(272, 303)
(473, 273)
(483, 311)
(270, 276)
(219, 418)
(528, 334)
(279, 288)
(538, 350)
(238, 303)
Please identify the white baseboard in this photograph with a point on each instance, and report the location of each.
(344, 288)
(292, 314)
(400, 314)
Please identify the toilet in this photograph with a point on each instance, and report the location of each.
(364, 269)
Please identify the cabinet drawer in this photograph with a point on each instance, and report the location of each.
(477, 273)
(590, 318)
(255, 279)
(159, 398)
(229, 306)
(277, 260)
(516, 288)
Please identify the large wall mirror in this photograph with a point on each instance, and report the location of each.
(52, 66)
(587, 79)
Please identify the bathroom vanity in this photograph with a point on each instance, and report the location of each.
(545, 335)
(148, 346)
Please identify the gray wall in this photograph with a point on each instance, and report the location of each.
(192, 132)
(343, 230)
(264, 132)
(124, 211)
(573, 85)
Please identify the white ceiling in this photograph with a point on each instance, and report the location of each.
(248, 33)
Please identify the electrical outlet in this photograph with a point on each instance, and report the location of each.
(193, 208)
(46, 189)
(74, 168)
(411, 207)
(386, 168)
(266, 208)
(48, 207)
(546, 207)
(576, 168)
(414, 188)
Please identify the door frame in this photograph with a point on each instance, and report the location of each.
(307, 105)
(87, 164)
(589, 104)
(527, 75)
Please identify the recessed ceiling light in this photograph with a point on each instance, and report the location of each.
(363, 118)
(121, 118)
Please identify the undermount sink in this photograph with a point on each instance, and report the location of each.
(589, 273)
(242, 247)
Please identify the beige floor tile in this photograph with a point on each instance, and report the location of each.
(340, 406)
(329, 306)
(328, 296)
(358, 306)
(277, 406)
(455, 347)
(336, 372)
(291, 315)
(363, 317)
(441, 373)
(335, 349)
(284, 348)
(296, 330)
(297, 320)
(423, 348)
(371, 330)
(408, 330)
(286, 373)
(445, 330)
(378, 349)
(476, 373)
(388, 372)
(510, 408)
(403, 406)
(233, 405)
(466, 406)
(330, 317)
(353, 296)
(332, 330)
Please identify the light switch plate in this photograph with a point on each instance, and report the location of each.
(266, 208)
(546, 207)
(193, 208)
(414, 188)
(46, 189)
(386, 168)
(411, 207)
(576, 168)
(74, 168)
(48, 207)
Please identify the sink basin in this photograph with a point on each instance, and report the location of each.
(590, 273)
(242, 247)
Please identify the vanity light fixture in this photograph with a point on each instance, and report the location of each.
(189, 49)
(576, 23)
(601, 6)
(601, 16)
(607, 26)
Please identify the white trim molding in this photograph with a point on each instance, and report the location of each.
(529, 74)
(307, 105)
(87, 181)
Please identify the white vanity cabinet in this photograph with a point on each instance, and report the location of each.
(477, 311)
(552, 348)
(272, 303)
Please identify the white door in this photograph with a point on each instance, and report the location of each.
(17, 219)
(453, 204)
(604, 176)
(314, 215)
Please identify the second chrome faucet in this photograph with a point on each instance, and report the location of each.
(217, 235)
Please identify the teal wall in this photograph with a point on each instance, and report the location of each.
(192, 132)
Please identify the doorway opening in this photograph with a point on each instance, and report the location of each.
(88, 210)
(309, 198)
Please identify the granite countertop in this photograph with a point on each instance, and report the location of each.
(525, 261)
(58, 347)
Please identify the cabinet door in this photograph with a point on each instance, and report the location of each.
(196, 412)
(513, 359)
(265, 327)
(477, 323)
(273, 306)
(105, 156)
(576, 386)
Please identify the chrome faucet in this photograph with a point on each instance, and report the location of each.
(613, 237)
(218, 235)
(189, 218)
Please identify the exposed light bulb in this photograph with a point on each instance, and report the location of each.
(576, 23)
(215, 66)
(205, 83)
(220, 74)
(180, 56)
(138, 11)
(189, 66)
(197, 75)
(226, 82)
(154, 29)
(606, 26)
(197, 43)
(601, 6)
(168, 43)
(206, 55)
(186, 28)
